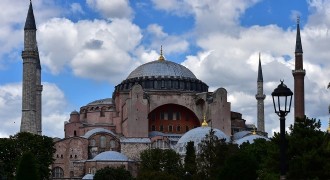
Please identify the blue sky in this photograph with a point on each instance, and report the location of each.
(89, 46)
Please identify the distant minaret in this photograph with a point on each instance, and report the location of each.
(299, 75)
(260, 96)
(31, 85)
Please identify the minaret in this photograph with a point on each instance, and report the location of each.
(299, 75)
(260, 96)
(31, 85)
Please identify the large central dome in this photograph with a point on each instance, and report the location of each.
(162, 75)
(161, 68)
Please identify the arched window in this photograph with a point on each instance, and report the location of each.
(170, 128)
(92, 142)
(102, 141)
(102, 112)
(58, 172)
(112, 144)
(178, 128)
(74, 133)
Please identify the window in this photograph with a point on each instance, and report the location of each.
(187, 128)
(85, 113)
(162, 115)
(102, 112)
(178, 116)
(161, 128)
(112, 144)
(58, 172)
(102, 141)
(165, 116)
(170, 114)
(153, 128)
(92, 142)
(187, 117)
(74, 133)
(178, 128)
(170, 128)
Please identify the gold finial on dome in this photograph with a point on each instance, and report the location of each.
(204, 124)
(161, 57)
(254, 131)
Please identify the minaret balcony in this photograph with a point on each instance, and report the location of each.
(299, 72)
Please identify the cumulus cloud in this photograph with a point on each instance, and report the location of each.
(112, 9)
(230, 60)
(97, 49)
(54, 107)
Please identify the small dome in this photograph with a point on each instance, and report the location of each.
(161, 68)
(250, 139)
(241, 134)
(110, 156)
(197, 135)
(100, 102)
(88, 177)
(74, 112)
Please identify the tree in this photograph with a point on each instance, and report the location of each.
(12, 149)
(118, 173)
(27, 168)
(308, 155)
(157, 161)
(190, 159)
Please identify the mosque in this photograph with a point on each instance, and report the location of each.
(161, 104)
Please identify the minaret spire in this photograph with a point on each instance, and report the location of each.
(30, 22)
(260, 96)
(299, 75)
(298, 38)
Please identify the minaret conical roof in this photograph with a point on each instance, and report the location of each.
(298, 39)
(260, 77)
(30, 22)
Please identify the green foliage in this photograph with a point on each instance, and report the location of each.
(190, 159)
(212, 156)
(307, 153)
(166, 162)
(27, 168)
(12, 149)
(118, 173)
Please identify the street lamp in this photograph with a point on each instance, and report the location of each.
(282, 97)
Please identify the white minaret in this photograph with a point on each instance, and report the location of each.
(260, 96)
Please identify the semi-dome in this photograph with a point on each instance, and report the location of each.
(197, 135)
(110, 156)
(250, 139)
(161, 68)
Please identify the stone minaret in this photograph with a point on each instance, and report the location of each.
(31, 85)
(260, 96)
(299, 75)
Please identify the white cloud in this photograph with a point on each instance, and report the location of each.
(53, 103)
(112, 9)
(76, 8)
(96, 49)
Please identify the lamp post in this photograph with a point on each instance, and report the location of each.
(282, 97)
